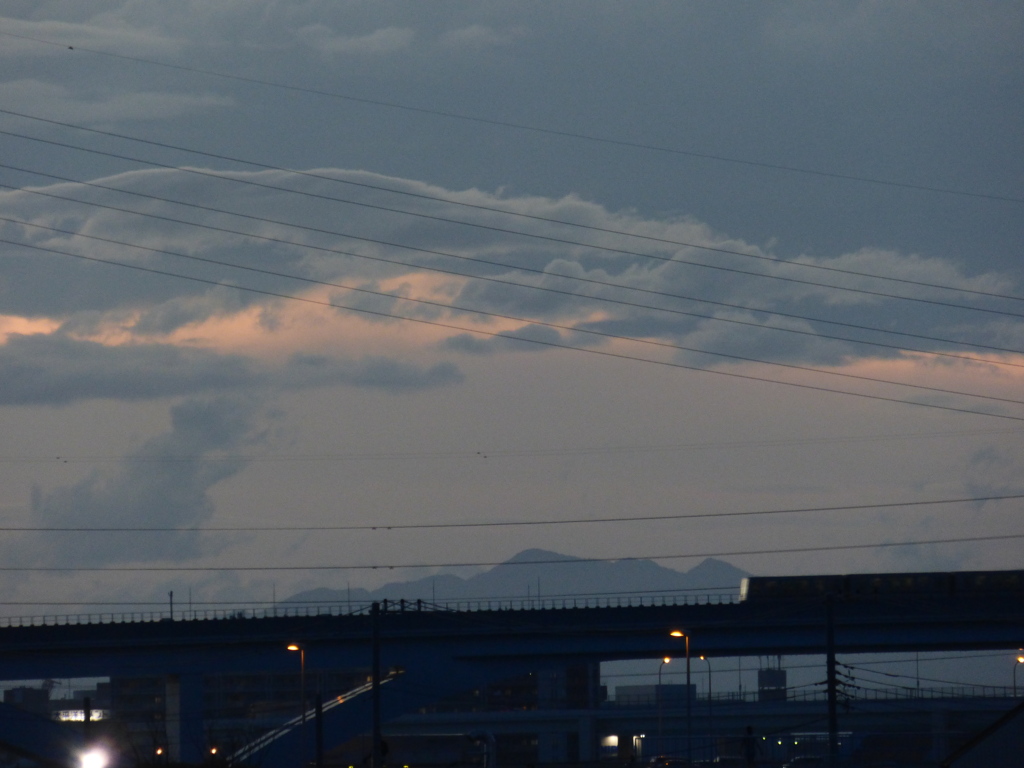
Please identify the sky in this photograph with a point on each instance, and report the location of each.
(554, 275)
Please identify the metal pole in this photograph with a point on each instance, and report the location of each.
(303, 731)
(302, 683)
(830, 663)
(378, 756)
(658, 703)
(689, 707)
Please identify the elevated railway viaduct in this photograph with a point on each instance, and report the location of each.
(442, 652)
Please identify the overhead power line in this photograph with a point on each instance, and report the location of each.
(523, 126)
(448, 201)
(525, 339)
(789, 666)
(491, 563)
(503, 281)
(498, 523)
(535, 322)
(434, 252)
(912, 676)
(498, 453)
(620, 251)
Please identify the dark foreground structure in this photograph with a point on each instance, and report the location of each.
(515, 683)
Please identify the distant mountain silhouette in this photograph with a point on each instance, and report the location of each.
(538, 572)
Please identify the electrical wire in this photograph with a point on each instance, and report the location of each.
(503, 281)
(434, 198)
(524, 339)
(789, 667)
(501, 523)
(500, 453)
(529, 270)
(523, 126)
(482, 564)
(449, 306)
(896, 675)
(377, 241)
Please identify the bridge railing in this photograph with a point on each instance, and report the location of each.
(349, 608)
(889, 693)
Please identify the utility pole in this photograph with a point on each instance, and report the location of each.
(378, 750)
(833, 697)
(689, 707)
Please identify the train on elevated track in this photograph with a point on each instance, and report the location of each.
(953, 585)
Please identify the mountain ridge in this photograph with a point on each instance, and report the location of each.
(543, 574)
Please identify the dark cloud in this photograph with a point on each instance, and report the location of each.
(57, 370)
(921, 94)
(165, 483)
(994, 470)
(371, 373)
(89, 294)
(528, 338)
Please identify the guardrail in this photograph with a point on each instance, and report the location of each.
(893, 693)
(352, 608)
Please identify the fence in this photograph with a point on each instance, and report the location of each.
(351, 608)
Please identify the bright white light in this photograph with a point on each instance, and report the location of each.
(78, 715)
(94, 758)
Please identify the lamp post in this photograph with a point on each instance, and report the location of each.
(689, 706)
(302, 694)
(1017, 663)
(302, 676)
(657, 701)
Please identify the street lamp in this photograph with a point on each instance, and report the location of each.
(657, 701)
(97, 757)
(1017, 663)
(689, 707)
(302, 676)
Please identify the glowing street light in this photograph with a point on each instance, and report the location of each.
(689, 706)
(302, 675)
(657, 701)
(97, 757)
(1017, 663)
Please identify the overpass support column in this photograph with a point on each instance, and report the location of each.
(553, 748)
(186, 741)
(588, 740)
(940, 735)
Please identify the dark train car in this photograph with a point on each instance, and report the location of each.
(791, 587)
(916, 584)
(957, 584)
(989, 582)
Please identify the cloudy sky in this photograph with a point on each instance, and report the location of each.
(328, 266)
